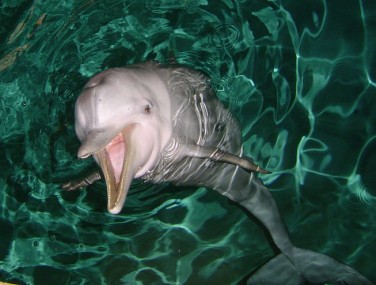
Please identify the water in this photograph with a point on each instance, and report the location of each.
(300, 77)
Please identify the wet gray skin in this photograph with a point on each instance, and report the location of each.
(165, 124)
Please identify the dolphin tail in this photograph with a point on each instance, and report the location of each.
(293, 266)
(307, 267)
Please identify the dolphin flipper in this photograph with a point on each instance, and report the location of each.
(85, 181)
(216, 154)
(308, 267)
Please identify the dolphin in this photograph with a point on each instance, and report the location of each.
(163, 123)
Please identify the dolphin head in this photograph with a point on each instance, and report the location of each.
(122, 118)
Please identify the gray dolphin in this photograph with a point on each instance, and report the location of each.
(165, 124)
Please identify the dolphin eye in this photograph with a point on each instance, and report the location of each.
(147, 109)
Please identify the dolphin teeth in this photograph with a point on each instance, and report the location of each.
(116, 162)
(108, 172)
(112, 160)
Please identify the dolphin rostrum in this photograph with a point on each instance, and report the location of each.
(165, 124)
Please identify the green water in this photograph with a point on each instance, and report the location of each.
(299, 75)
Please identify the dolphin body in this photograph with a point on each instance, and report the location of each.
(165, 124)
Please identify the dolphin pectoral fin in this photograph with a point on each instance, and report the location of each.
(308, 267)
(217, 154)
(86, 181)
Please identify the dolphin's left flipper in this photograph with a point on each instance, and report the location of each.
(219, 155)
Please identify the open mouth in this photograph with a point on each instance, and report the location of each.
(116, 163)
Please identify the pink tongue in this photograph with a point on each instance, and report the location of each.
(116, 153)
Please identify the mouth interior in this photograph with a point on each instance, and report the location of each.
(115, 160)
(116, 151)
